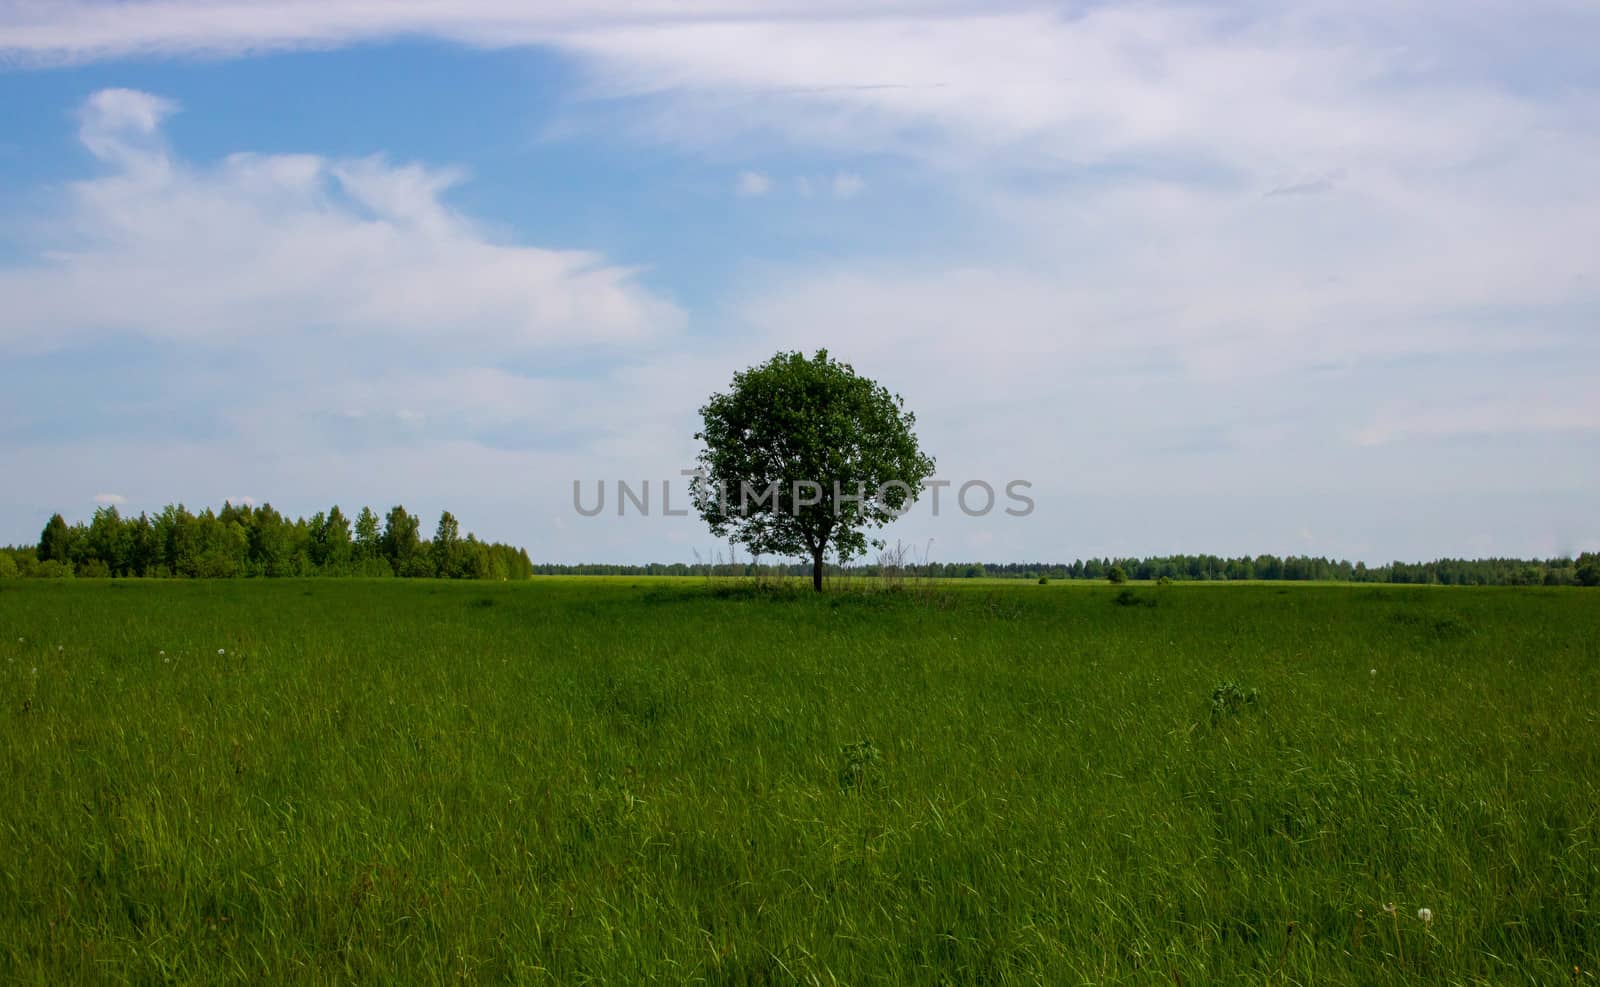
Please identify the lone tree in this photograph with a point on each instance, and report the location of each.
(805, 455)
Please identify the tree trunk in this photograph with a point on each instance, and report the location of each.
(816, 571)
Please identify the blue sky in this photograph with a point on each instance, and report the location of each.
(1212, 277)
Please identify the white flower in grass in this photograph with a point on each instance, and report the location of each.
(1426, 914)
(1373, 672)
(222, 651)
(36, 669)
(61, 647)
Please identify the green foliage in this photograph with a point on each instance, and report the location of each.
(55, 541)
(1179, 568)
(1588, 569)
(628, 781)
(332, 547)
(419, 565)
(861, 765)
(1230, 699)
(402, 542)
(376, 567)
(107, 546)
(793, 421)
(367, 535)
(449, 553)
(1117, 575)
(1044, 580)
(8, 565)
(240, 540)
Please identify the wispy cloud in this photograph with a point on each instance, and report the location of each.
(253, 244)
(110, 499)
(1170, 214)
(756, 184)
(1316, 186)
(752, 185)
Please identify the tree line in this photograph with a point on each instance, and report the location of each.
(1303, 568)
(245, 541)
(1584, 570)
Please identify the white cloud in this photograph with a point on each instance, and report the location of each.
(110, 499)
(121, 126)
(752, 185)
(263, 245)
(1266, 94)
(1253, 87)
(843, 185)
(85, 30)
(847, 185)
(1207, 244)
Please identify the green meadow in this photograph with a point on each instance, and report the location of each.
(617, 781)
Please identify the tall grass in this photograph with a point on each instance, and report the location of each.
(619, 781)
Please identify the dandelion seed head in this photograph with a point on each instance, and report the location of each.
(1426, 914)
(222, 651)
(1373, 673)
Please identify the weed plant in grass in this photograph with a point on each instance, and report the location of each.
(621, 781)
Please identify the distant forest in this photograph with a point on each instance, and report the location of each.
(258, 541)
(241, 541)
(1585, 570)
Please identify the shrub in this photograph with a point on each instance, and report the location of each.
(1044, 580)
(375, 568)
(8, 566)
(1117, 576)
(52, 569)
(861, 765)
(1231, 699)
(1164, 581)
(93, 569)
(418, 566)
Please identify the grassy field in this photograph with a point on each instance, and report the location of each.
(638, 780)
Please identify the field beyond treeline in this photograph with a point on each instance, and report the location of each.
(628, 780)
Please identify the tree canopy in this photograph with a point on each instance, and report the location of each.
(803, 455)
(243, 540)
